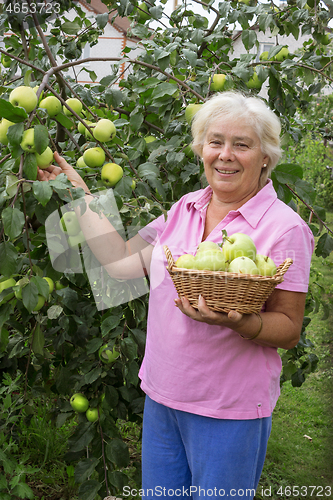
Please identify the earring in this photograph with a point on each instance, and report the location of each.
(265, 165)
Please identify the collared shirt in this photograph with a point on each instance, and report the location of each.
(208, 369)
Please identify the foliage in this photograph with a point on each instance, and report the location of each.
(54, 352)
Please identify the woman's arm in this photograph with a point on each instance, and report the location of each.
(281, 321)
(121, 259)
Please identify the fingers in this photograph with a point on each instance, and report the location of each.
(206, 315)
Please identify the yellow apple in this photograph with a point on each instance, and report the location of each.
(50, 283)
(283, 54)
(254, 82)
(6, 61)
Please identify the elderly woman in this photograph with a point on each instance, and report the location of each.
(212, 379)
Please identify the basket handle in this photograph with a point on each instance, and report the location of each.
(169, 257)
(283, 268)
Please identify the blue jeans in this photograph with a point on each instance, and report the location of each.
(190, 456)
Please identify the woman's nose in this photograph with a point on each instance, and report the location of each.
(226, 152)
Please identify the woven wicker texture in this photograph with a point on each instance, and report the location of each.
(224, 291)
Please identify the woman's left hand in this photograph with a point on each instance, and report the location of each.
(206, 315)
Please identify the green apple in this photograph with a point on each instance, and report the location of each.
(92, 414)
(76, 239)
(23, 97)
(40, 303)
(87, 134)
(52, 105)
(81, 163)
(7, 284)
(50, 283)
(111, 173)
(133, 185)
(254, 82)
(325, 39)
(59, 285)
(21, 283)
(106, 355)
(82, 129)
(28, 141)
(217, 84)
(239, 245)
(207, 245)
(73, 103)
(143, 12)
(104, 130)
(45, 159)
(283, 54)
(69, 224)
(190, 111)
(186, 261)
(79, 403)
(6, 61)
(264, 56)
(189, 151)
(210, 260)
(243, 265)
(4, 126)
(94, 157)
(265, 265)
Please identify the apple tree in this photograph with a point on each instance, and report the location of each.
(69, 335)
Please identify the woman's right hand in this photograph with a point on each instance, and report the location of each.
(52, 172)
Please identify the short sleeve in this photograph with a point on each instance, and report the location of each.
(153, 230)
(298, 244)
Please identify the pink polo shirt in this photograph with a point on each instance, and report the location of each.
(210, 370)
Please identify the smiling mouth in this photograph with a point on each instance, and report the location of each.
(224, 171)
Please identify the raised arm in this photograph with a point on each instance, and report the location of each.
(121, 259)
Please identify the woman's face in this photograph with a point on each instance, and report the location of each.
(232, 160)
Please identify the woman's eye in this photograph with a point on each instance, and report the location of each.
(241, 145)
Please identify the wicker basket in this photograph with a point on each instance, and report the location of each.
(224, 291)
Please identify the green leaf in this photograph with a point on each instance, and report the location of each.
(117, 452)
(30, 296)
(64, 121)
(8, 258)
(13, 222)
(71, 28)
(148, 170)
(84, 469)
(41, 138)
(288, 173)
(12, 113)
(89, 490)
(14, 134)
(83, 435)
(190, 56)
(136, 120)
(324, 246)
(30, 166)
(102, 20)
(42, 192)
(22, 490)
(249, 38)
(305, 191)
(38, 341)
(164, 89)
(110, 323)
(123, 187)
